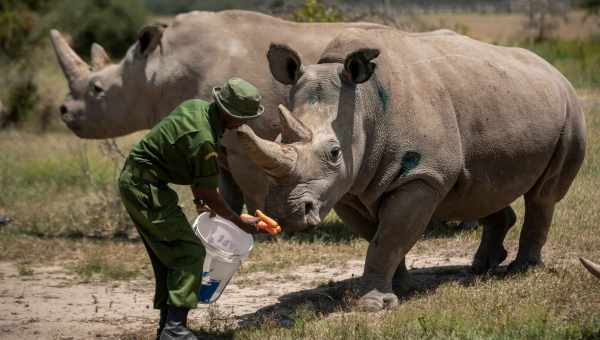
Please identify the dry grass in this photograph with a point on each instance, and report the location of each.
(89, 260)
(507, 28)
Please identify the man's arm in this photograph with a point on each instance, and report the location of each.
(214, 200)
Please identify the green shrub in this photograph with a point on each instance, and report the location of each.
(579, 61)
(22, 102)
(19, 20)
(112, 23)
(315, 11)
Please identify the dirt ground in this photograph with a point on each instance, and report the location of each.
(52, 304)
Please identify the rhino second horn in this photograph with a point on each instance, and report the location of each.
(99, 57)
(591, 267)
(72, 65)
(292, 129)
(276, 159)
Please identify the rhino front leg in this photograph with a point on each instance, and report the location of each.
(403, 216)
(355, 221)
(366, 229)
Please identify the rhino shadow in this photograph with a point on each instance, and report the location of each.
(337, 232)
(339, 296)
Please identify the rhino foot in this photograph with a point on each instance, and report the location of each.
(375, 301)
(523, 265)
(486, 260)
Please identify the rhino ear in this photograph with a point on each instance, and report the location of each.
(285, 63)
(358, 66)
(148, 38)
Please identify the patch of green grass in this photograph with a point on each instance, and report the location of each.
(24, 269)
(577, 60)
(98, 267)
(90, 259)
(60, 185)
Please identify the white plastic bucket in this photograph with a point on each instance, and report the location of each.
(226, 247)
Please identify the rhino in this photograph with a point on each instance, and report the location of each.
(186, 59)
(393, 129)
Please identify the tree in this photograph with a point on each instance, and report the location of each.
(112, 23)
(591, 7)
(542, 16)
(19, 19)
(315, 11)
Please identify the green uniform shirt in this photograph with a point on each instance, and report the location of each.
(182, 148)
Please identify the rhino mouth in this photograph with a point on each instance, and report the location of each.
(72, 123)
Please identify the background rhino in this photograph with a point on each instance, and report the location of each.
(168, 65)
(393, 129)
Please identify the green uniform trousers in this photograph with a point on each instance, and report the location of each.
(175, 252)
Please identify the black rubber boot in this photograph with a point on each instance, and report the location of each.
(176, 325)
(161, 322)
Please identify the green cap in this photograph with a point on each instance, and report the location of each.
(239, 99)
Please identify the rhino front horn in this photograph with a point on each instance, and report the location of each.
(591, 267)
(276, 159)
(72, 65)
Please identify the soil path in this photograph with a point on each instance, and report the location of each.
(53, 304)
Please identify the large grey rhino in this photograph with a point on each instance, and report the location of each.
(392, 129)
(169, 64)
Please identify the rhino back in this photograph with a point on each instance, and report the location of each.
(482, 118)
(206, 48)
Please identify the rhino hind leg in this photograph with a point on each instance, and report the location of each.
(538, 217)
(491, 250)
(550, 188)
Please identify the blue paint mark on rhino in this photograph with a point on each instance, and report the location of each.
(410, 160)
(384, 98)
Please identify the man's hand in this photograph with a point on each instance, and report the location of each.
(203, 208)
(249, 227)
(210, 200)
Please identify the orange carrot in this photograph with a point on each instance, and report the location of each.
(262, 225)
(271, 222)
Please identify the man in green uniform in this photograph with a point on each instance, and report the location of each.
(182, 149)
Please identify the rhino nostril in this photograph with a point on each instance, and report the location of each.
(308, 207)
(63, 110)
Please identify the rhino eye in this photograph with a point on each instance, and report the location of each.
(334, 154)
(96, 88)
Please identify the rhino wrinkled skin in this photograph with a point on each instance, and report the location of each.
(170, 64)
(393, 129)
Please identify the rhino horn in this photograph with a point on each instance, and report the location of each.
(99, 57)
(276, 159)
(72, 65)
(591, 267)
(292, 129)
